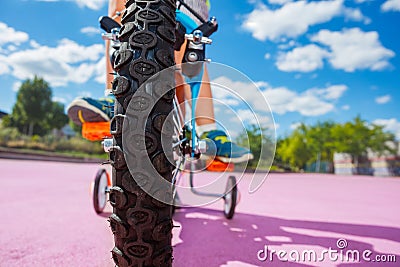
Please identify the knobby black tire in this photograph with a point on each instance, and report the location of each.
(142, 226)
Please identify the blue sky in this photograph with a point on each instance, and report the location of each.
(313, 60)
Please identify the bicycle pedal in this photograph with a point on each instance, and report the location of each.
(96, 131)
(219, 166)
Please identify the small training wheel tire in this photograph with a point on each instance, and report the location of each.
(100, 191)
(230, 197)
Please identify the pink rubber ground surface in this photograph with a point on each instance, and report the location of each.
(47, 219)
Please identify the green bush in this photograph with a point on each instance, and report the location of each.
(10, 137)
(35, 138)
(8, 134)
(28, 144)
(78, 144)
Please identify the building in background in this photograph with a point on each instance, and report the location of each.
(386, 164)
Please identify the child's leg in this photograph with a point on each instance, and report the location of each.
(180, 92)
(205, 118)
(113, 7)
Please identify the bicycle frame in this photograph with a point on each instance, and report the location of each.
(195, 81)
(195, 85)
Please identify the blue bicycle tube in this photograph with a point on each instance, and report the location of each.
(186, 21)
(195, 84)
(195, 88)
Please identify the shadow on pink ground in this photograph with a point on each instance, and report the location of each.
(208, 239)
(48, 219)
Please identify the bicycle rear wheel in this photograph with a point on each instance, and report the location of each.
(230, 197)
(100, 191)
(142, 225)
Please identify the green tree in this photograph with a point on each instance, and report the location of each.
(260, 145)
(294, 149)
(77, 128)
(56, 118)
(357, 137)
(33, 104)
(352, 137)
(34, 112)
(18, 118)
(380, 140)
(320, 141)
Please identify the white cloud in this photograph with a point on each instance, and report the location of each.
(74, 52)
(232, 134)
(283, 100)
(250, 117)
(90, 30)
(16, 86)
(225, 88)
(392, 125)
(260, 84)
(231, 102)
(355, 14)
(391, 5)
(59, 99)
(304, 59)
(246, 115)
(85, 94)
(295, 125)
(288, 45)
(333, 92)
(11, 48)
(346, 107)
(353, 49)
(67, 62)
(34, 44)
(349, 50)
(4, 68)
(291, 20)
(10, 35)
(100, 71)
(279, 2)
(312, 102)
(91, 4)
(383, 99)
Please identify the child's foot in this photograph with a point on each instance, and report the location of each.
(227, 151)
(87, 109)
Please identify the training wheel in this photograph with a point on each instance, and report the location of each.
(230, 197)
(100, 190)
